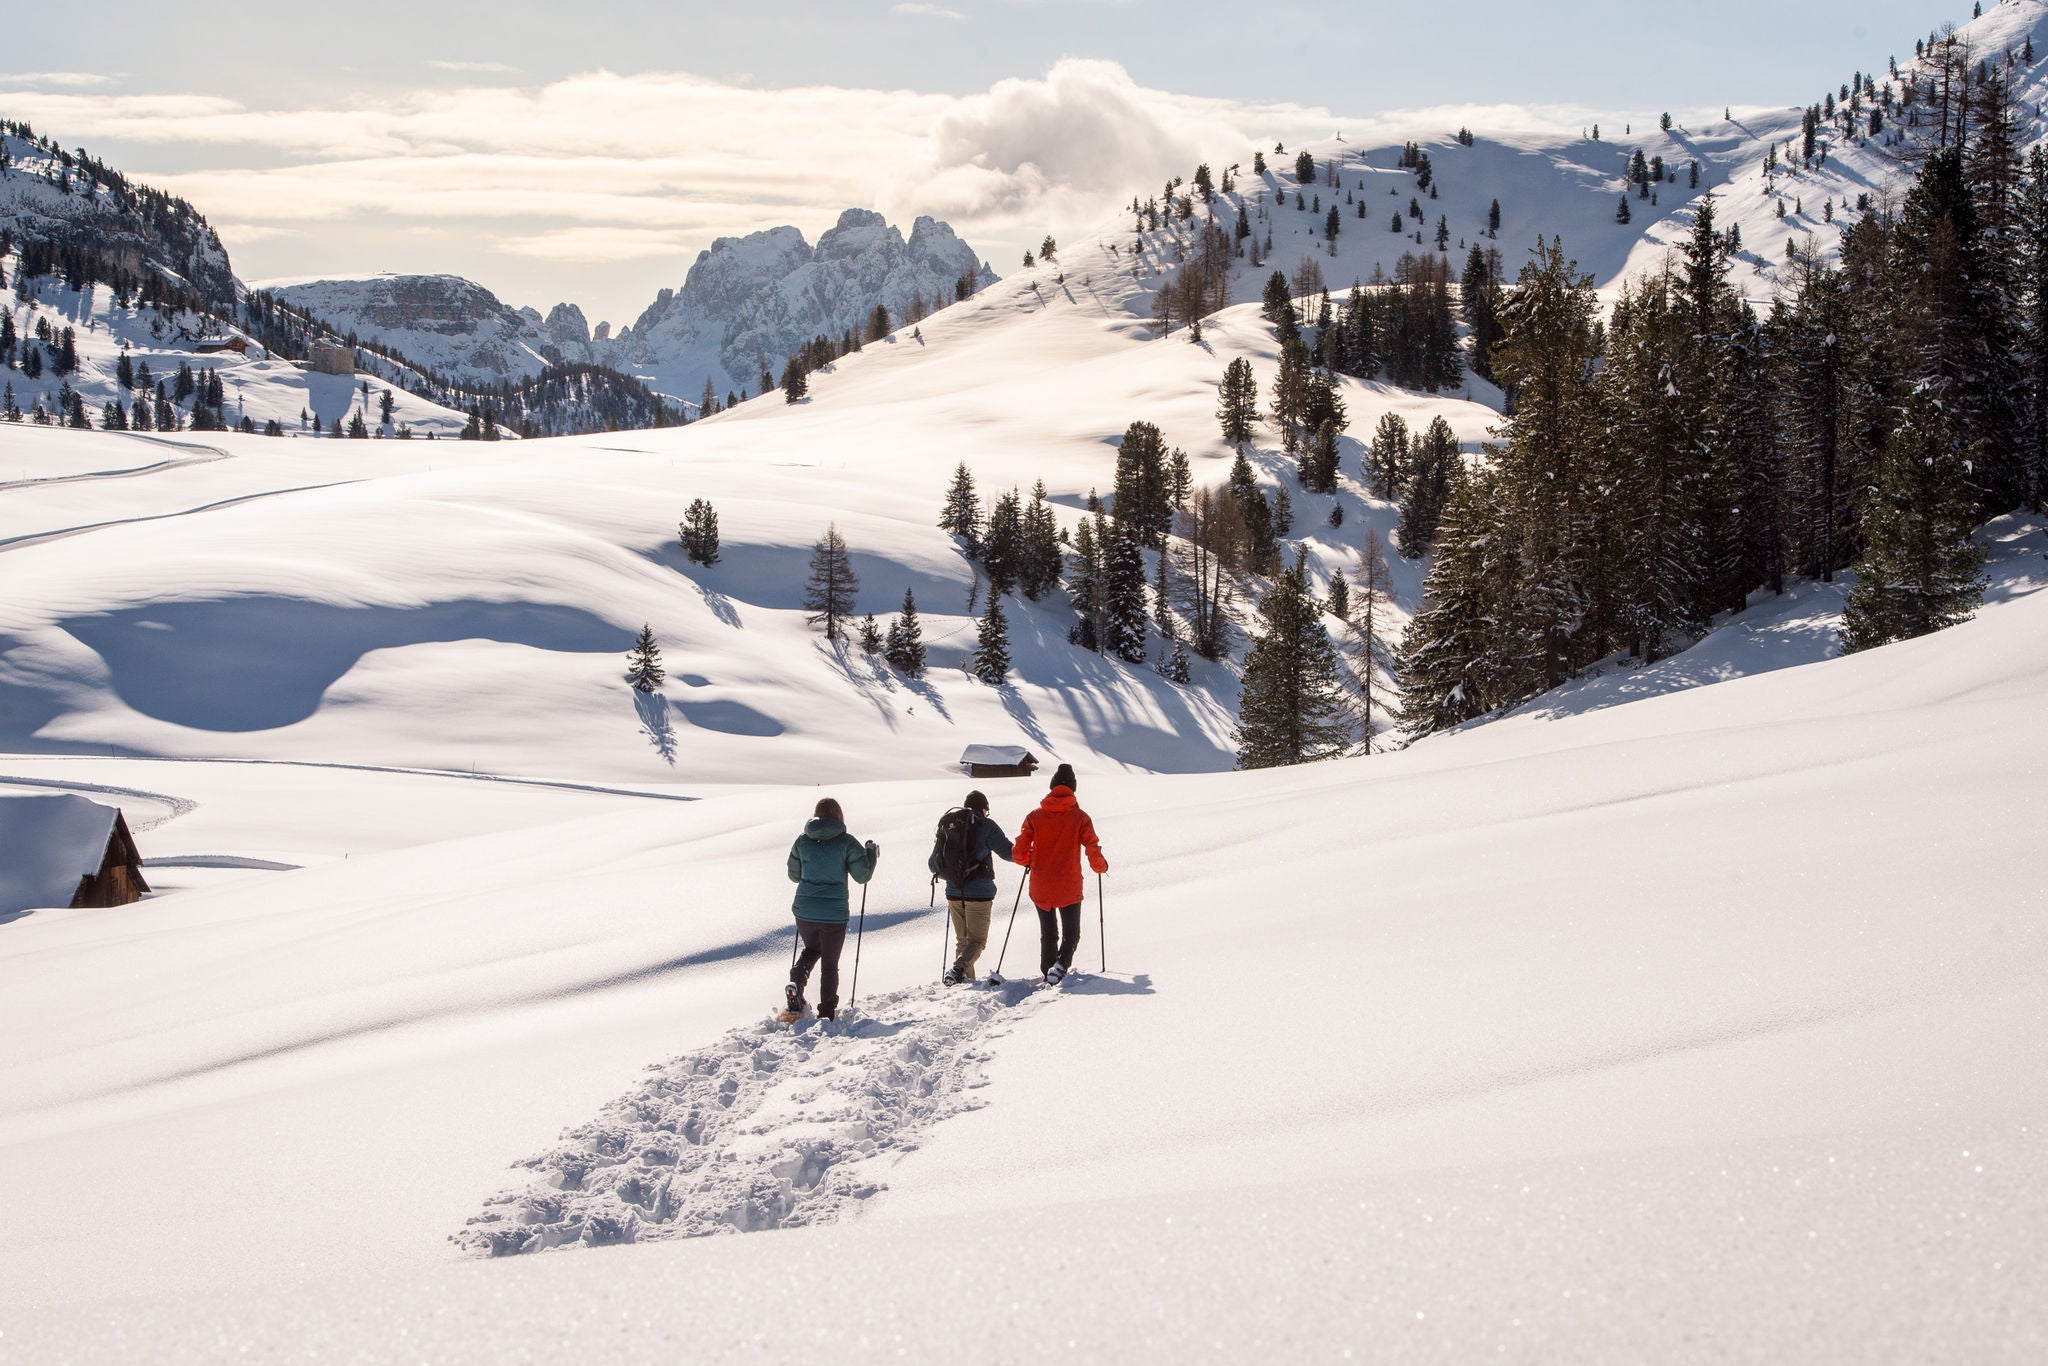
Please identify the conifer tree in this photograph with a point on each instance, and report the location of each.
(1386, 464)
(1340, 597)
(1427, 487)
(904, 648)
(1319, 459)
(870, 635)
(643, 664)
(1292, 709)
(795, 384)
(1002, 552)
(829, 591)
(1920, 571)
(1458, 648)
(698, 532)
(1038, 561)
(1084, 583)
(962, 513)
(1143, 499)
(1123, 593)
(992, 645)
(1237, 402)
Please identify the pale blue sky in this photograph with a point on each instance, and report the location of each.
(455, 136)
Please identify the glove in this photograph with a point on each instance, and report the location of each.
(873, 850)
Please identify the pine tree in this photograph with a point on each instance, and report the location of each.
(1340, 597)
(1237, 405)
(1427, 487)
(904, 648)
(1143, 500)
(1292, 709)
(992, 645)
(1319, 459)
(698, 532)
(1123, 593)
(1038, 561)
(1457, 649)
(829, 591)
(870, 635)
(643, 664)
(1920, 571)
(796, 384)
(1002, 553)
(962, 513)
(1387, 463)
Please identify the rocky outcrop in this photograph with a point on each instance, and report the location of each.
(452, 326)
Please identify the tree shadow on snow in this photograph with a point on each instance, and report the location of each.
(656, 725)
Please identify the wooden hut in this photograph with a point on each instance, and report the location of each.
(66, 851)
(998, 761)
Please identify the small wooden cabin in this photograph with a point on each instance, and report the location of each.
(66, 851)
(213, 347)
(998, 761)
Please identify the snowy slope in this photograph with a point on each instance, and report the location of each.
(259, 386)
(1710, 1027)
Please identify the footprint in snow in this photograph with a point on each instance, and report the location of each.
(772, 1127)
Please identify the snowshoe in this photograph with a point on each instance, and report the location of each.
(952, 978)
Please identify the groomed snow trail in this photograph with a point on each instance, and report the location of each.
(775, 1126)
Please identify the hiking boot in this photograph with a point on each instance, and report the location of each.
(828, 1012)
(952, 978)
(1053, 975)
(792, 1000)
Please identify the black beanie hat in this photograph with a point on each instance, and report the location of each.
(1063, 776)
(976, 802)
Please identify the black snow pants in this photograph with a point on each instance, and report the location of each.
(1059, 934)
(822, 942)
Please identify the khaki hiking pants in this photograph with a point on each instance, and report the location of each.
(970, 927)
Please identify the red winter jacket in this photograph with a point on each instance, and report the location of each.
(1050, 846)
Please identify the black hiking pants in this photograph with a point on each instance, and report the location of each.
(822, 943)
(1059, 934)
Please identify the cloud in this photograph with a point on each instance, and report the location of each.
(928, 11)
(58, 78)
(600, 169)
(443, 64)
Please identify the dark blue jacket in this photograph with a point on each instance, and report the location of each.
(989, 840)
(820, 861)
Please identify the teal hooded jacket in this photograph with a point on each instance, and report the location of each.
(819, 864)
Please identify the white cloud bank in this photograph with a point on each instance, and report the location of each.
(602, 171)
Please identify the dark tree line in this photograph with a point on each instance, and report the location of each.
(1656, 472)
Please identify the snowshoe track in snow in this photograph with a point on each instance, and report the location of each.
(775, 1126)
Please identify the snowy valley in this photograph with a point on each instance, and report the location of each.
(1693, 1010)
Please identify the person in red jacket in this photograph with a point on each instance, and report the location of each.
(1050, 845)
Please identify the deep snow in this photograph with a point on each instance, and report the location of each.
(1707, 1027)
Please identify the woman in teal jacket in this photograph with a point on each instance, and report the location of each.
(819, 864)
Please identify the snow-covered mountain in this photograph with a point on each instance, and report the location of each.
(1696, 1013)
(451, 326)
(746, 298)
(67, 199)
(769, 293)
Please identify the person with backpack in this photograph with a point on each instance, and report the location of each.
(820, 861)
(964, 853)
(1050, 845)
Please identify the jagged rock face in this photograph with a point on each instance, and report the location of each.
(453, 326)
(763, 295)
(566, 326)
(769, 293)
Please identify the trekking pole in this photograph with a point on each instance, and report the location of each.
(854, 993)
(945, 931)
(997, 975)
(1101, 924)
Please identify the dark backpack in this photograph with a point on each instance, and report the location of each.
(956, 848)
